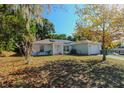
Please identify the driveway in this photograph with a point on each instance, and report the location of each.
(118, 57)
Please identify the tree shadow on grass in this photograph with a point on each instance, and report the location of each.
(67, 74)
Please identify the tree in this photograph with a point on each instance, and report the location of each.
(29, 13)
(59, 36)
(84, 34)
(98, 17)
(45, 30)
(71, 38)
(20, 21)
(118, 25)
(9, 25)
(95, 36)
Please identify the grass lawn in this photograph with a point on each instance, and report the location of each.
(61, 71)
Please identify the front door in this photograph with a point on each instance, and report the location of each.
(58, 49)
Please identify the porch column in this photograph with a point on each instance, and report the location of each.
(53, 49)
(62, 47)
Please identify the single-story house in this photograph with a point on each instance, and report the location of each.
(53, 47)
(119, 50)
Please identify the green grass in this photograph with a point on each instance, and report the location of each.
(61, 71)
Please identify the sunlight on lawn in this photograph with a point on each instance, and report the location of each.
(61, 71)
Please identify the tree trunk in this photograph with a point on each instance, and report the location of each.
(28, 43)
(104, 55)
(28, 51)
(103, 44)
(28, 59)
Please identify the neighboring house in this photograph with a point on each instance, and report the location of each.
(119, 50)
(53, 47)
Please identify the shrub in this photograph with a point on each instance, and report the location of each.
(73, 51)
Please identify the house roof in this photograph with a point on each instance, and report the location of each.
(86, 42)
(56, 41)
(51, 41)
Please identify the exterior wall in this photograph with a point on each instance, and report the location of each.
(47, 49)
(36, 48)
(57, 49)
(81, 49)
(87, 49)
(93, 49)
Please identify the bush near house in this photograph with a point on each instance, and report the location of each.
(73, 52)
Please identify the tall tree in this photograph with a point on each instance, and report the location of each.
(45, 30)
(71, 38)
(29, 13)
(98, 17)
(59, 36)
(9, 25)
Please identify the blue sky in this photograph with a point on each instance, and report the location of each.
(63, 19)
